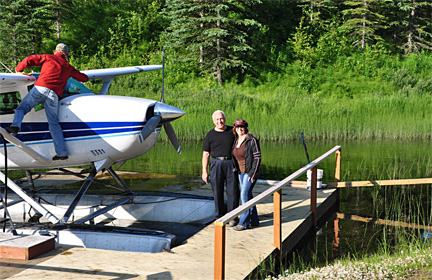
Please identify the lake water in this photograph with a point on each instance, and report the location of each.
(361, 160)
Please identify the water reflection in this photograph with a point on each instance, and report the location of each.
(361, 160)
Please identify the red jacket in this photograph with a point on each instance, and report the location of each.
(55, 71)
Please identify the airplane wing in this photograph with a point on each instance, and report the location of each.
(23, 146)
(15, 79)
(107, 75)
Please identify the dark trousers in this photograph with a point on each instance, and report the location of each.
(221, 172)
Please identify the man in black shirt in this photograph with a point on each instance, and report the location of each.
(218, 144)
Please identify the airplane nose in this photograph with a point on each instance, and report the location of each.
(168, 112)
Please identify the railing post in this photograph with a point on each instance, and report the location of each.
(338, 155)
(338, 166)
(277, 219)
(313, 203)
(219, 251)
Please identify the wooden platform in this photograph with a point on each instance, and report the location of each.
(24, 247)
(245, 250)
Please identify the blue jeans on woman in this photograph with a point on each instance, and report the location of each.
(251, 215)
(49, 98)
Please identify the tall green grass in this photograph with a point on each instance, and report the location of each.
(365, 96)
(279, 114)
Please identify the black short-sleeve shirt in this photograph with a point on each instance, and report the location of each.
(219, 143)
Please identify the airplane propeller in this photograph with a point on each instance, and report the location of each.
(172, 137)
(162, 114)
(150, 126)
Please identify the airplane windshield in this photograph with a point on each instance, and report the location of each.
(74, 87)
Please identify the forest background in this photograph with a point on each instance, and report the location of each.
(357, 69)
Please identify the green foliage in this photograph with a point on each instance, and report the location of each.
(304, 72)
(322, 49)
(210, 35)
(411, 25)
(109, 28)
(23, 25)
(278, 20)
(364, 20)
(231, 40)
(134, 30)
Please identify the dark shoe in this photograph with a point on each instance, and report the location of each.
(59, 157)
(12, 129)
(250, 226)
(239, 227)
(233, 223)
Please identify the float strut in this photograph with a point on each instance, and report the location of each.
(79, 195)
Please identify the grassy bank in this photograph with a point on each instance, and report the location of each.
(366, 96)
(403, 265)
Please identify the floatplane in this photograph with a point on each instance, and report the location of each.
(100, 130)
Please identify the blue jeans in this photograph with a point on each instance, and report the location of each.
(49, 98)
(246, 187)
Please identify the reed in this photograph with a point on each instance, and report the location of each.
(275, 115)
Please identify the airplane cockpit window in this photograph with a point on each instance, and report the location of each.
(9, 101)
(74, 87)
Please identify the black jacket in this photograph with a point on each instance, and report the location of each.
(252, 157)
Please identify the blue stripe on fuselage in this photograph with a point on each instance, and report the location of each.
(74, 131)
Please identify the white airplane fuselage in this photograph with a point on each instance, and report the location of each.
(98, 129)
(95, 127)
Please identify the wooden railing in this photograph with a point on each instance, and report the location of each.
(276, 191)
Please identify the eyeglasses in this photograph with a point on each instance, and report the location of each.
(240, 127)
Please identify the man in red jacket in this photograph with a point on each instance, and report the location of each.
(48, 89)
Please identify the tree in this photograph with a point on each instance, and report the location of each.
(278, 21)
(137, 28)
(23, 25)
(364, 20)
(320, 38)
(109, 28)
(413, 25)
(212, 34)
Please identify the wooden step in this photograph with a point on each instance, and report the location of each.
(24, 247)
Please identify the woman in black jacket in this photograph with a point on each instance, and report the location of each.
(247, 159)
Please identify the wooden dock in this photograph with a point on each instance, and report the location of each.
(244, 251)
(287, 214)
(217, 251)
